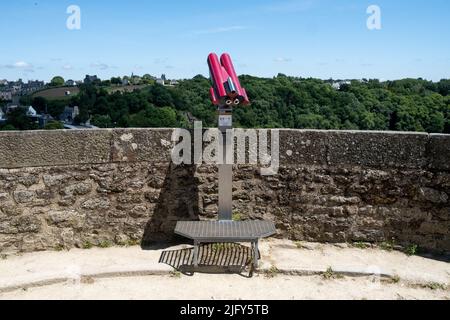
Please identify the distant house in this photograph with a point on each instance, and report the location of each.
(91, 79)
(6, 95)
(31, 112)
(125, 82)
(338, 84)
(161, 81)
(69, 114)
(174, 82)
(70, 83)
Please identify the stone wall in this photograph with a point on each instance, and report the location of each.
(65, 189)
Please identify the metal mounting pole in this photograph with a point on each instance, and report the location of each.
(225, 170)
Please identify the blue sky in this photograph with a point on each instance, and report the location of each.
(308, 38)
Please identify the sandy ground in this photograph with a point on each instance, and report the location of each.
(299, 270)
(233, 287)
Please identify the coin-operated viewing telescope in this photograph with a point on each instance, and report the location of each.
(226, 93)
(226, 90)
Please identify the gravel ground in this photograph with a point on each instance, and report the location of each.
(204, 286)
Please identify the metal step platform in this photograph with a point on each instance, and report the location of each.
(226, 232)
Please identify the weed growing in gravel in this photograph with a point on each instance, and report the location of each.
(388, 245)
(330, 274)
(435, 286)
(175, 274)
(237, 216)
(412, 250)
(105, 244)
(87, 245)
(360, 245)
(272, 272)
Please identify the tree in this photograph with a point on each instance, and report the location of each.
(54, 125)
(8, 127)
(153, 117)
(56, 107)
(102, 121)
(18, 119)
(57, 81)
(161, 96)
(82, 118)
(116, 81)
(39, 104)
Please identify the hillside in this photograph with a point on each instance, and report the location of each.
(279, 102)
(57, 93)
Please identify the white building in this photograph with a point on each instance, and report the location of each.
(31, 112)
(338, 84)
(2, 115)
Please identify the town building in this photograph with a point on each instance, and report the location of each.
(338, 84)
(69, 114)
(70, 83)
(31, 86)
(6, 95)
(31, 112)
(91, 79)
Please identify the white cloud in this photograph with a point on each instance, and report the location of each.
(19, 65)
(22, 64)
(99, 65)
(220, 30)
(282, 60)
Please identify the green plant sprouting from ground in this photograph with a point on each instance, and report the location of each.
(129, 243)
(87, 245)
(175, 274)
(388, 245)
(331, 274)
(221, 246)
(272, 272)
(412, 250)
(105, 244)
(108, 244)
(435, 286)
(59, 247)
(360, 245)
(237, 216)
(395, 279)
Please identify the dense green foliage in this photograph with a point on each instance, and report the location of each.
(280, 102)
(54, 125)
(57, 81)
